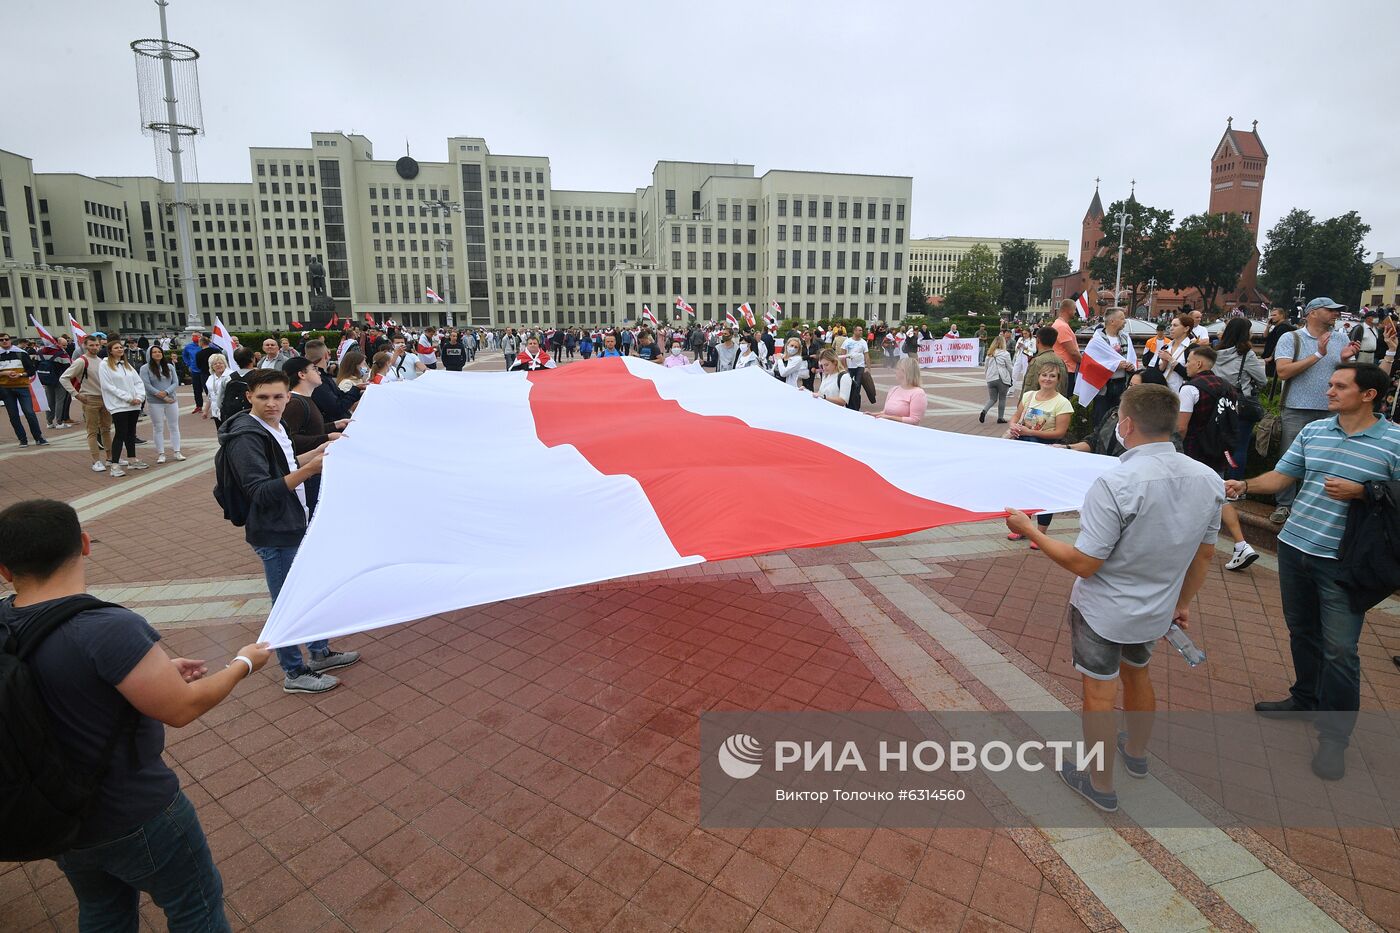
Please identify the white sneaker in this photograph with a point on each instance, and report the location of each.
(179, 456)
(122, 463)
(118, 471)
(160, 459)
(1244, 556)
(99, 467)
(140, 465)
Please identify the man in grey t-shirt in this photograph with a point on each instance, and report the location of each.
(1147, 533)
(1305, 359)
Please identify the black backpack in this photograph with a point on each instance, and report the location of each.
(1221, 430)
(228, 491)
(235, 397)
(44, 797)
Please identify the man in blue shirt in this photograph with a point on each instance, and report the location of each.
(1333, 457)
(609, 346)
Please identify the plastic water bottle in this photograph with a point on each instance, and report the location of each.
(1182, 642)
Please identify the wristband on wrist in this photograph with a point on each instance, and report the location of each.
(245, 661)
(1318, 354)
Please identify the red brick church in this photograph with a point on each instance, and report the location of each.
(1236, 185)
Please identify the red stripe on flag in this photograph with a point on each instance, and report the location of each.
(1093, 372)
(689, 465)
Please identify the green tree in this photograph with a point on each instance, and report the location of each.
(917, 300)
(1055, 267)
(975, 284)
(1020, 260)
(1208, 253)
(1146, 249)
(1328, 258)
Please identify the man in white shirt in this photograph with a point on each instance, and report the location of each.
(1198, 331)
(405, 366)
(853, 350)
(271, 482)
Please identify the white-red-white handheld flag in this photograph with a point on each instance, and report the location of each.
(223, 340)
(650, 316)
(79, 335)
(432, 295)
(1081, 306)
(681, 437)
(683, 305)
(1100, 360)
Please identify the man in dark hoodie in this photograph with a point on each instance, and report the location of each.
(274, 482)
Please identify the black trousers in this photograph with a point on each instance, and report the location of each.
(123, 432)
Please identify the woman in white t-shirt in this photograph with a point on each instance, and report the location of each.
(1042, 417)
(1171, 359)
(835, 385)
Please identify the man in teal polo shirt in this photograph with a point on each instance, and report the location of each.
(1333, 457)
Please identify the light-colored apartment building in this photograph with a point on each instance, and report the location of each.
(1384, 290)
(32, 283)
(933, 259)
(487, 232)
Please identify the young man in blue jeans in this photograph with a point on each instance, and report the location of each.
(273, 480)
(1333, 457)
(143, 833)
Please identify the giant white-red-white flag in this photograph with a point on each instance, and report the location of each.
(1098, 363)
(641, 444)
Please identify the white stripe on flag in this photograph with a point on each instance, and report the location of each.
(476, 550)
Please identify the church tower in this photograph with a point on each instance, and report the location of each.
(1092, 231)
(1237, 186)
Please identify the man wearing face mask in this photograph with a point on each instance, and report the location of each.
(1147, 533)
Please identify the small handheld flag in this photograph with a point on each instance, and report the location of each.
(650, 316)
(78, 333)
(683, 305)
(47, 337)
(1081, 305)
(432, 295)
(747, 312)
(223, 340)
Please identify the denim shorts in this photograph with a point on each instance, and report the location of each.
(1096, 656)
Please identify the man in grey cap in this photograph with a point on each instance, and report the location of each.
(1306, 359)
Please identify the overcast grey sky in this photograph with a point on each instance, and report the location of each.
(1003, 112)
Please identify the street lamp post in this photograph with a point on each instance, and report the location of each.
(869, 286)
(1298, 296)
(1030, 284)
(444, 208)
(1151, 291)
(1120, 220)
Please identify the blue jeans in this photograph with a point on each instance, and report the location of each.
(1322, 632)
(17, 402)
(1241, 451)
(277, 561)
(167, 857)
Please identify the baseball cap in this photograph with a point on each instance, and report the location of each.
(1370, 312)
(1325, 303)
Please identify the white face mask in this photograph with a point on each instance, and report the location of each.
(675, 351)
(1119, 436)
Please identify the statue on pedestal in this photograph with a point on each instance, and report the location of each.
(317, 271)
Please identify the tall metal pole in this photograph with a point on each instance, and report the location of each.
(193, 320)
(1030, 284)
(442, 281)
(1122, 220)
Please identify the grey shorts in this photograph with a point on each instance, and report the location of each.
(1096, 656)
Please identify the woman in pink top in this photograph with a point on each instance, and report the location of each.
(907, 402)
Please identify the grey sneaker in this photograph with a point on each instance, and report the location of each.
(333, 661)
(1279, 515)
(310, 682)
(1134, 765)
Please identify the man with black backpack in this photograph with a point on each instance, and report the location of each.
(85, 693)
(261, 483)
(1209, 425)
(235, 398)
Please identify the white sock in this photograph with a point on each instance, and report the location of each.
(1241, 545)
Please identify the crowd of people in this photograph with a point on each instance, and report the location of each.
(1175, 414)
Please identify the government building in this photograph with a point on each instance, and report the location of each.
(489, 234)
(933, 259)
